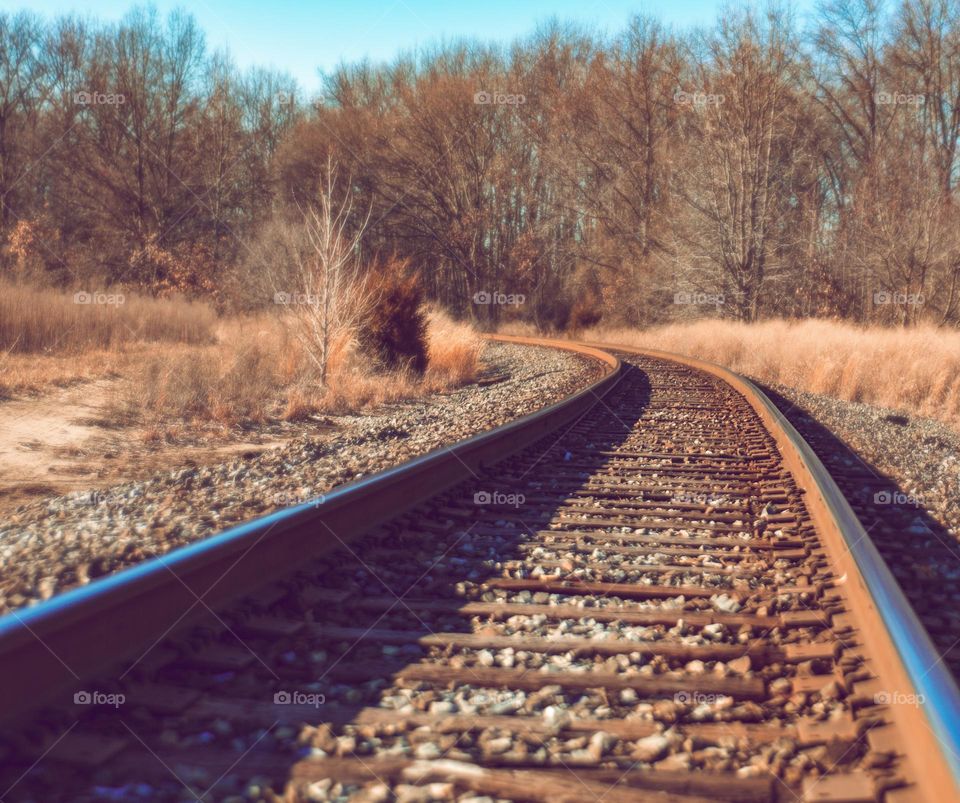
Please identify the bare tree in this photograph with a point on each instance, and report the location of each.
(747, 157)
(21, 88)
(928, 53)
(321, 284)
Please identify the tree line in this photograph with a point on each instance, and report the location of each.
(129, 154)
(753, 169)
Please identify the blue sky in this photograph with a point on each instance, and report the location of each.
(302, 37)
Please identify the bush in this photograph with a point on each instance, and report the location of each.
(587, 307)
(394, 333)
(584, 314)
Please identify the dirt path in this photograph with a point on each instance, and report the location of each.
(67, 441)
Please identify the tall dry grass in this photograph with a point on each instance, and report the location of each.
(240, 379)
(453, 351)
(915, 370)
(453, 359)
(259, 370)
(40, 320)
(180, 363)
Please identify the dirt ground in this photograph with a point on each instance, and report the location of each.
(70, 440)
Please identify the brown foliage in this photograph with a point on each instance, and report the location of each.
(394, 331)
(793, 174)
(189, 269)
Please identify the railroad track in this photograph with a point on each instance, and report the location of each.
(651, 591)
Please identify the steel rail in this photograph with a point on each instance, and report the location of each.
(47, 650)
(900, 646)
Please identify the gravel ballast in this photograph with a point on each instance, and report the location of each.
(51, 545)
(920, 454)
(901, 475)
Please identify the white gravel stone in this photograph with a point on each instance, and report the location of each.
(651, 748)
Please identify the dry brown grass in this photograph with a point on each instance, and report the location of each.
(38, 320)
(915, 370)
(225, 385)
(259, 371)
(453, 351)
(241, 378)
(453, 360)
(31, 373)
(357, 388)
(48, 339)
(178, 363)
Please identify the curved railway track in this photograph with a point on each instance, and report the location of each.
(651, 591)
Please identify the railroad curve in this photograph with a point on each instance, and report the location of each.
(650, 591)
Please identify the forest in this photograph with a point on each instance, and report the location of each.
(756, 169)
